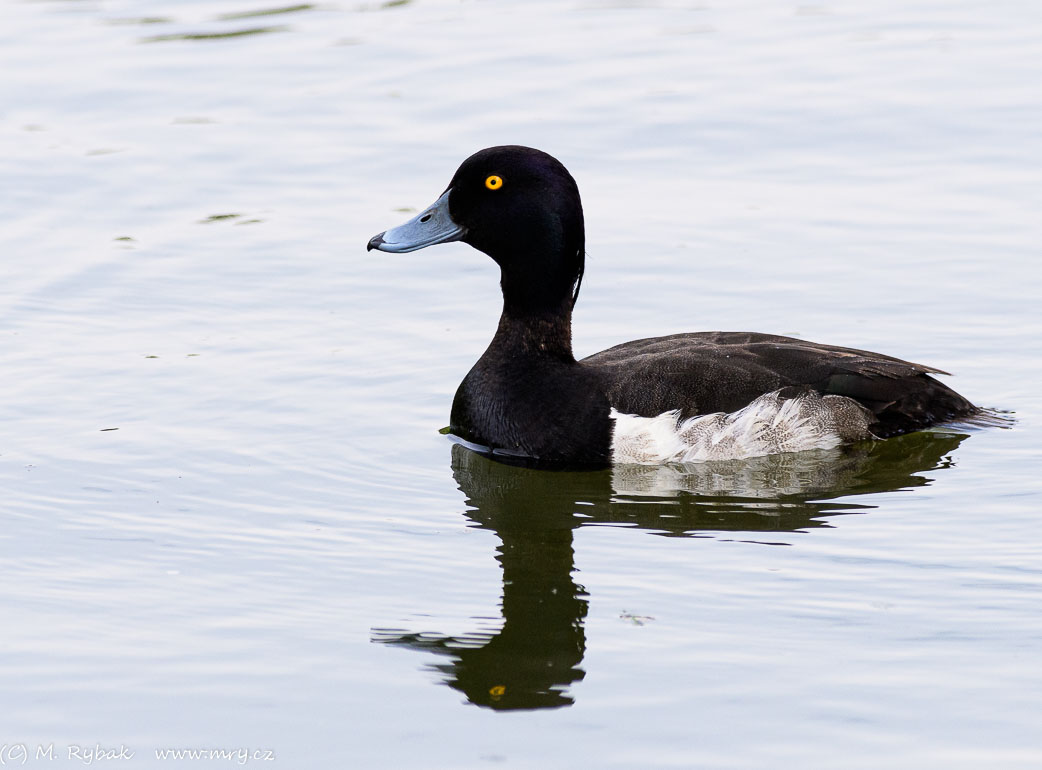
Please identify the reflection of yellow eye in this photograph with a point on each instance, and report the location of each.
(494, 182)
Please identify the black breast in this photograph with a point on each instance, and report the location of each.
(536, 409)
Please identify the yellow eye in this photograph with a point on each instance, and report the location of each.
(494, 182)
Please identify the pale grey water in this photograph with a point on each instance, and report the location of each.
(240, 563)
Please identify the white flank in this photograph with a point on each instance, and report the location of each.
(768, 425)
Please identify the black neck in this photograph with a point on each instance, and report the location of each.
(539, 334)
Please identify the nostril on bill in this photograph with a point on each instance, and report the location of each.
(426, 217)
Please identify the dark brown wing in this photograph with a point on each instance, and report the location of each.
(709, 372)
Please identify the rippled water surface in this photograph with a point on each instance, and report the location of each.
(229, 520)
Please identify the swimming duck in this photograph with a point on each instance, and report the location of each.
(682, 398)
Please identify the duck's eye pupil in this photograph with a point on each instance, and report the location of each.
(494, 182)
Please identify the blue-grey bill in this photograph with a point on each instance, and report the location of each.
(433, 225)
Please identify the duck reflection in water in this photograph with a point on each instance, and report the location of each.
(536, 655)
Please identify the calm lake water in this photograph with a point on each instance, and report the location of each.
(229, 521)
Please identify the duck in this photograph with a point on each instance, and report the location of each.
(682, 398)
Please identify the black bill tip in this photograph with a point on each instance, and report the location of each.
(374, 242)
